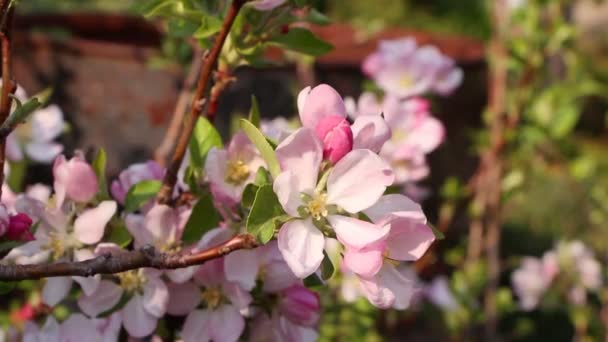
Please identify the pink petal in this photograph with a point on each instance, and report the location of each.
(389, 288)
(77, 326)
(365, 262)
(242, 267)
(215, 167)
(355, 233)
(156, 296)
(43, 152)
(88, 284)
(427, 135)
(301, 244)
(137, 321)
(135, 226)
(161, 223)
(408, 240)
(55, 290)
(358, 180)
(322, 101)
(183, 298)
(13, 150)
(370, 132)
(226, 324)
(238, 297)
(90, 225)
(180, 275)
(197, 326)
(395, 205)
(213, 238)
(302, 96)
(302, 153)
(103, 299)
(286, 187)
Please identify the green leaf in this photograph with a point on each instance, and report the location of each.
(265, 215)
(262, 177)
(21, 113)
(313, 281)
(328, 270)
(99, 166)
(254, 113)
(438, 233)
(181, 28)
(204, 137)
(302, 40)
(260, 142)
(203, 218)
(6, 246)
(316, 17)
(141, 193)
(249, 195)
(7, 286)
(210, 25)
(119, 234)
(17, 175)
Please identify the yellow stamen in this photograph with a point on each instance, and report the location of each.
(316, 206)
(237, 172)
(131, 281)
(212, 296)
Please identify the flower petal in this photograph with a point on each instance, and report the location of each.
(322, 101)
(43, 152)
(77, 326)
(183, 298)
(371, 132)
(301, 244)
(408, 240)
(242, 267)
(103, 299)
(302, 96)
(90, 225)
(227, 324)
(88, 284)
(156, 296)
(301, 152)
(395, 205)
(355, 233)
(365, 262)
(197, 327)
(358, 180)
(137, 321)
(161, 222)
(389, 288)
(55, 290)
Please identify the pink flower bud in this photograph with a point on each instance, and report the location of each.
(19, 228)
(4, 220)
(337, 137)
(74, 179)
(300, 305)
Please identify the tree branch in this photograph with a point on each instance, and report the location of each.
(6, 12)
(197, 106)
(146, 256)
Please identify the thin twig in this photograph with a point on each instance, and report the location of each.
(165, 147)
(197, 106)
(147, 256)
(6, 11)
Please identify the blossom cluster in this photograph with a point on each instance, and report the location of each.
(570, 266)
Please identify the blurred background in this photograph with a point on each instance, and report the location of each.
(117, 77)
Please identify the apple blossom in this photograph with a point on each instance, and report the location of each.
(133, 175)
(530, 281)
(74, 179)
(300, 305)
(230, 170)
(355, 183)
(103, 330)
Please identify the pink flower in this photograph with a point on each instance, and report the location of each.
(230, 170)
(277, 129)
(402, 69)
(104, 329)
(390, 287)
(162, 227)
(530, 282)
(355, 183)
(300, 305)
(266, 262)
(266, 5)
(75, 179)
(133, 175)
(322, 110)
(221, 320)
(276, 327)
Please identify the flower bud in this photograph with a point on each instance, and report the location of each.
(337, 137)
(74, 179)
(19, 228)
(300, 305)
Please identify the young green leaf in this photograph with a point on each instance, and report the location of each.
(210, 25)
(438, 233)
(302, 40)
(204, 137)
(7, 286)
(99, 166)
(203, 218)
(327, 267)
(254, 112)
(265, 215)
(141, 193)
(260, 142)
(119, 234)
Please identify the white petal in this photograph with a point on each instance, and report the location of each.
(197, 327)
(106, 297)
(355, 233)
(137, 321)
(77, 326)
(227, 324)
(156, 296)
(242, 267)
(302, 153)
(358, 180)
(301, 244)
(393, 206)
(371, 132)
(90, 225)
(55, 290)
(88, 284)
(286, 187)
(43, 152)
(302, 95)
(183, 298)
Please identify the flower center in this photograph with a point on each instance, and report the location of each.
(169, 247)
(237, 172)
(131, 281)
(316, 206)
(406, 81)
(212, 296)
(61, 243)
